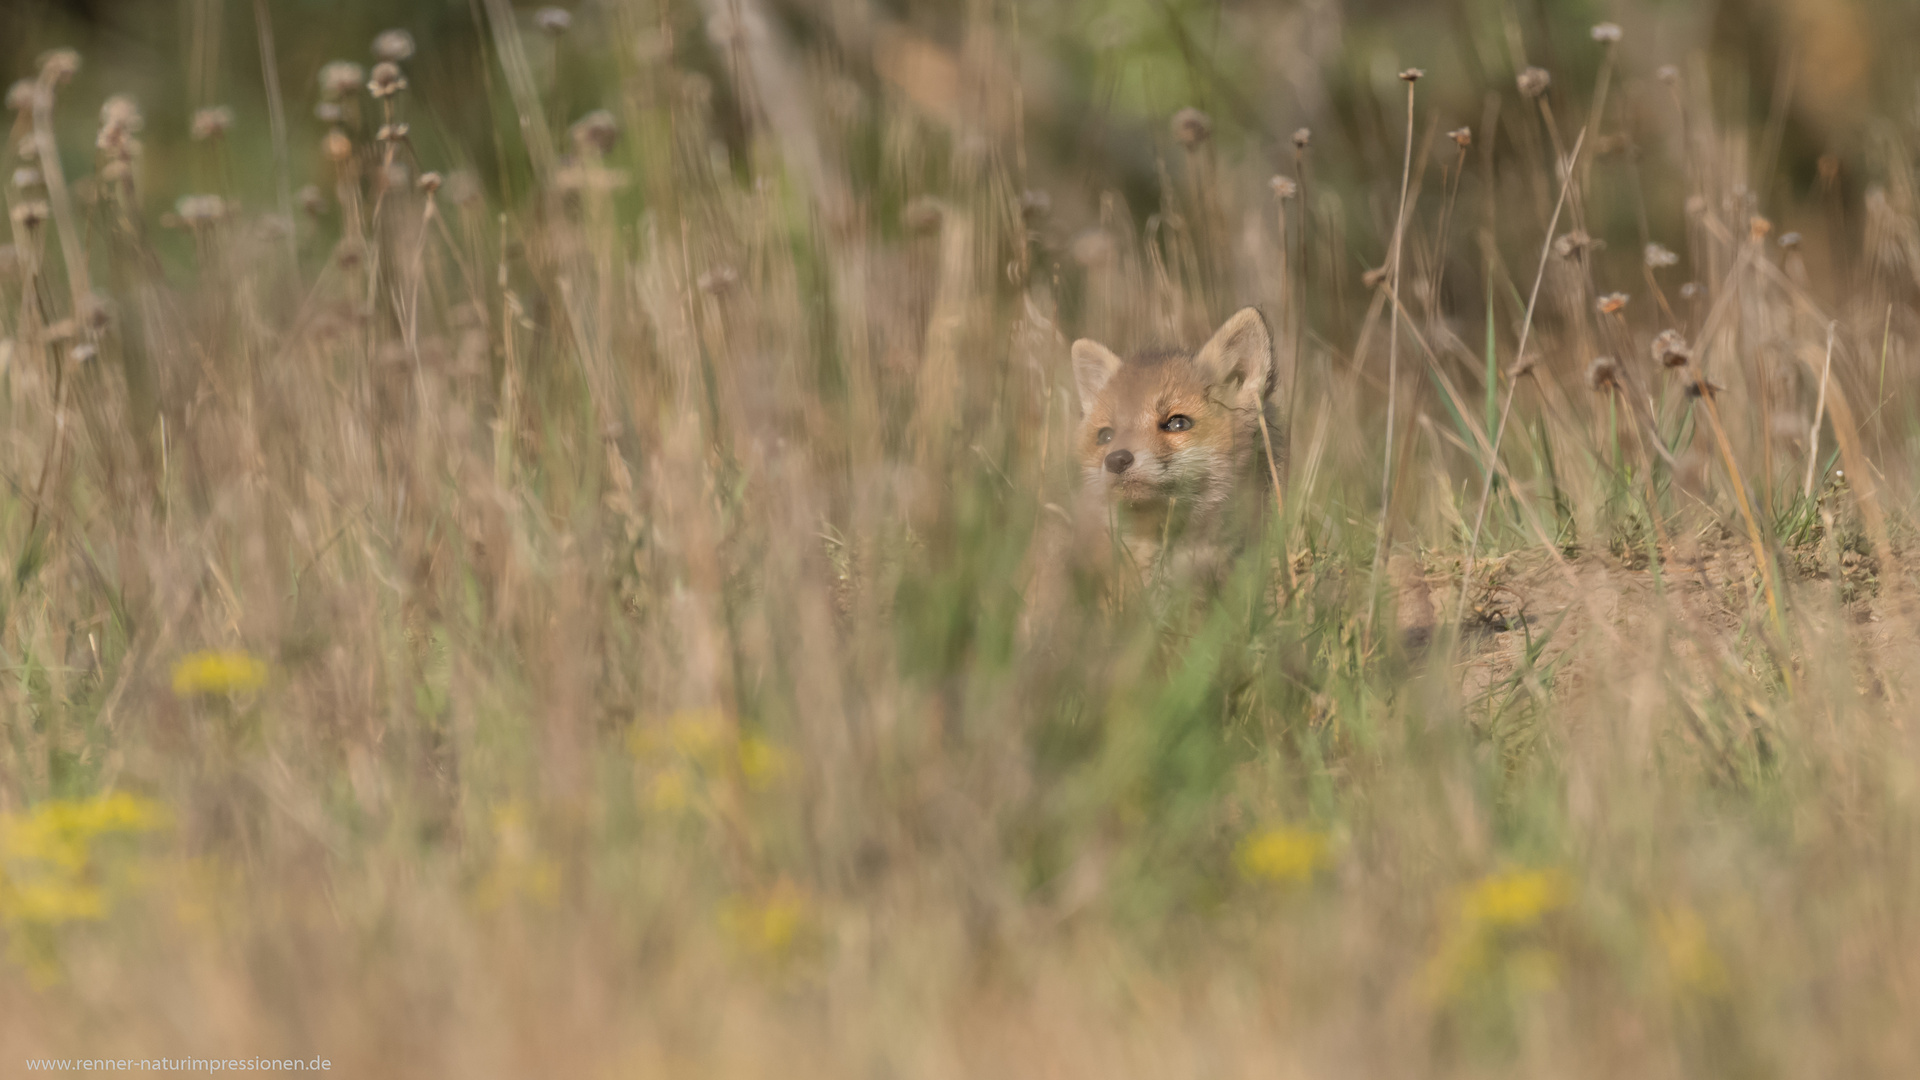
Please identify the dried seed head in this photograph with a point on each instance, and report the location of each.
(1758, 228)
(1790, 240)
(386, 80)
(1575, 244)
(1607, 33)
(341, 78)
(311, 200)
(59, 65)
(922, 214)
(1700, 387)
(121, 111)
(21, 94)
(211, 123)
(1691, 291)
(553, 20)
(328, 112)
(1035, 204)
(1412, 75)
(1533, 82)
(29, 214)
(1658, 257)
(1374, 277)
(1611, 304)
(429, 182)
(1192, 128)
(1670, 349)
(26, 177)
(1603, 373)
(597, 131)
(1302, 138)
(196, 211)
(393, 45)
(1462, 137)
(336, 146)
(82, 352)
(391, 132)
(1284, 187)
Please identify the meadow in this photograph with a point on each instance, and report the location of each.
(518, 531)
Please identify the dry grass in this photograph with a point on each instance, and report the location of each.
(573, 623)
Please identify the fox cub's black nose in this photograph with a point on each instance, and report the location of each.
(1118, 461)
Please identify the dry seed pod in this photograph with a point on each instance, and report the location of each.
(341, 78)
(1302, 138)
(1611, 304)
(1412, 75)
(386, 80)
(1533, 82)
(1658, 256)
(1283, 187)
(1603, 373)
(1462, 137)
(1670, 349)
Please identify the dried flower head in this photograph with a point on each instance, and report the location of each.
(328, 112)
(393, 45)
(1284, 187)
(1412, 75)
(82, 352)
(1533, 82)
(386, 80)
(1758, 228)
(597, 131)
(391, 132)
(30, 213)
(26, 177)
(1302, 138)
(1575, 244)
(311, 200)
(336, 147)
(1374, 277)
(428, 182)
(1191, 127)
(553, 20)
(1789, 240)
(200, 210)
(1603, 373)
(1670, 349)
(21, 94)
(1658, 257)
(1691, 290)
(463, 188)
(341, 78)
(922, 214)
(1462, 137)
(1607, 33)
(59, 65)
(1611, 304)
(1035, 204)
(211, 123)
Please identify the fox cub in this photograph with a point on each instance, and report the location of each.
(1174, 447)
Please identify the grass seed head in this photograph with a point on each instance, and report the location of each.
(1670, 349)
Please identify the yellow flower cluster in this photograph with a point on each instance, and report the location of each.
(520, 869)
(1494, 933)
(1282, 853)
(1693, 965)
(52, 872)
(204, 674)
(770, 927)
(684, 757)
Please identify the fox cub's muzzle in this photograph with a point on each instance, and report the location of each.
(1118, 461)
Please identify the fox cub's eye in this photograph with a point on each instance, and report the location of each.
(1104, 437)
(1176, 422)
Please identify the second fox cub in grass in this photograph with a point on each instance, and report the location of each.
(1172, 446)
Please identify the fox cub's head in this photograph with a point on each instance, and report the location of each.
(1169, 424)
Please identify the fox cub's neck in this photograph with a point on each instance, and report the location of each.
(1172, 445)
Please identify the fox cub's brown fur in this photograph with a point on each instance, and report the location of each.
(1172, 449)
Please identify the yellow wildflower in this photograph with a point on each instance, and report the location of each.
(1283, 853)
(1692, 962)
(1490, 936)
(207, 673)
(1517, 898)
(671, 791)
(520, 869)
(761, 762)
(770, 927)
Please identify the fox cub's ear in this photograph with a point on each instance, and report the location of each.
(1093, 365)
(1237, 363)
